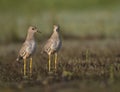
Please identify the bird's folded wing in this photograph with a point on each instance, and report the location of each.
(24, 50)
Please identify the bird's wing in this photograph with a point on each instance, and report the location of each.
(51, 45)
(54, 45)
(25, 49)
(47, 46)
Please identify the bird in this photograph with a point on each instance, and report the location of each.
(53, 45)
(28, 48)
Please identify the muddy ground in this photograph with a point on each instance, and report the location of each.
(83, 65)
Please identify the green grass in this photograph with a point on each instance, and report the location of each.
(40, 5)
(104, 24)
(77, 18)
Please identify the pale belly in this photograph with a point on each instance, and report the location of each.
(31, 48)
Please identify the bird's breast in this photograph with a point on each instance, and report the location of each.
(31, 48)
(33, 45)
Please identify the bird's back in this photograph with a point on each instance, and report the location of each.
(53, 44)
(27, 49)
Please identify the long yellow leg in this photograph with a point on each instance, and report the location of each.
(30, 66)
(49, 62)
(25, 67)
(55, 61)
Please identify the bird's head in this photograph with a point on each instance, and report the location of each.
(33, 29)
(56, 28)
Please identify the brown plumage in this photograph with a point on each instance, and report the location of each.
(53, 44)
(28, 48)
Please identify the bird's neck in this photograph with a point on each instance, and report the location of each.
(55, 34)
(30, 36)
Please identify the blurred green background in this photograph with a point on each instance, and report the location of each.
(77, 18)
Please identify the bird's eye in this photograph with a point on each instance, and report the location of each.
(33, 28)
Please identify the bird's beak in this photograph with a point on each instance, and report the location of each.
(38, 31)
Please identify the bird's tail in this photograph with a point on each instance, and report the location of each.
(18, 59)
